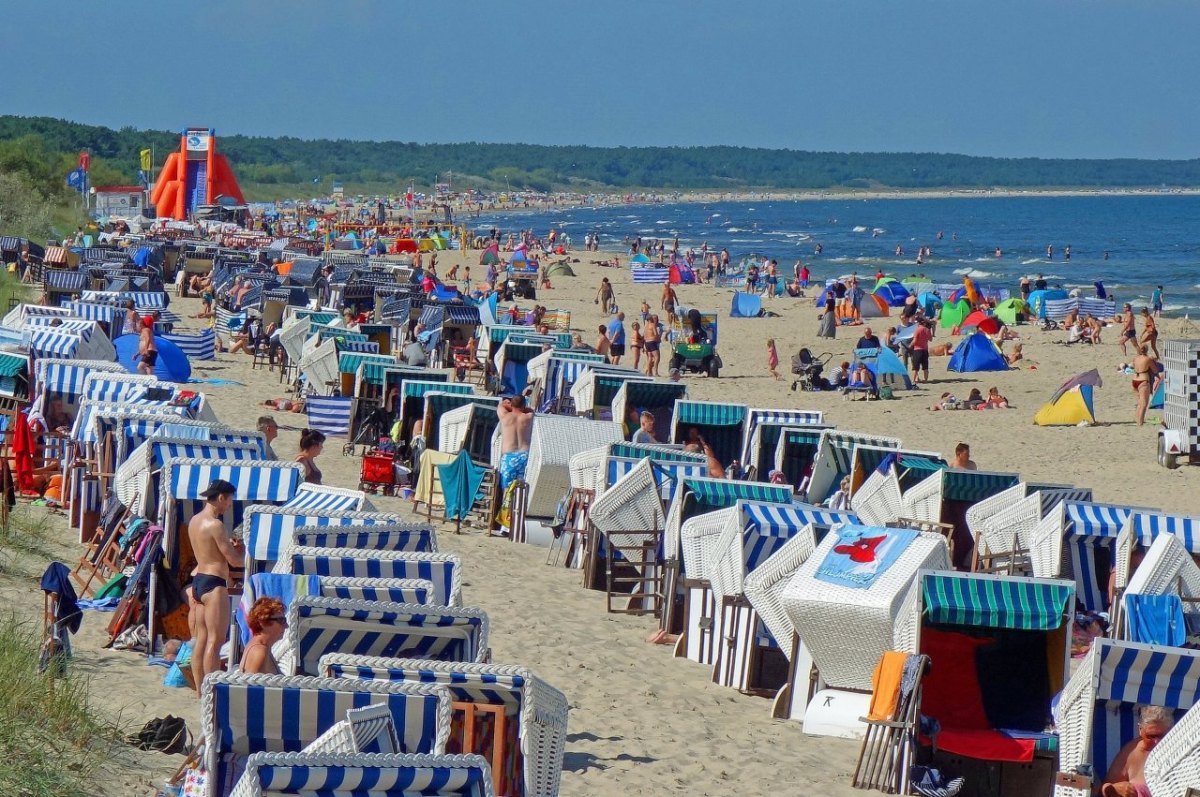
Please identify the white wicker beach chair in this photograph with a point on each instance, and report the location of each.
(453, 426)
(443, 569)
(1095, 714)
(587, 470)
(1166, 569)
(700, 538)
(363, 729)
(317, 626)
(246, 714)
(538, 710)
(356, 775)
(1173, 766)
(386, 590)
(848, 629)
(765, 586)
(320, 366)
(878, 501)
(632, 504)
(555, 439)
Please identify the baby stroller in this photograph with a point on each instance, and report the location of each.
(808, 369)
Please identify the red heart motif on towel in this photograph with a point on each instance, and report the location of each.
(862, 550)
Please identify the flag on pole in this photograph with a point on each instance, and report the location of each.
(85, 161)
(75, 179)
(408, 198)
(146, 165)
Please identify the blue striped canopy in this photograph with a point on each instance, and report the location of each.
(345, 531)
(66, 377)
(1149, 525)
(707, 413)
(325, 333)
(996, 601)
(499, 333)
(443, 570)
(438, 403)
(514, 352)
(161, 451)
(201, 346)
(254, 481)
(63, 280)
(93, 312)
(496, 689)
(266, 528)
(432, 317)
(769, 525)
(668, 474)
(50, 342)
(316, 499)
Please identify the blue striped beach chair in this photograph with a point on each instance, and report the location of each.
(443, 569)
(531, 716)
(1166, 569)
(317, 626)
(66, 377)
(136, 481)
(267, 530)
(1095, 715)
(321, 498)
(246, 714)
(329, 414)
(366, 728)
(408, 536)
(333, 775)
(380, 590)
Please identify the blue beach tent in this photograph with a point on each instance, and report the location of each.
(746, 305)
(977, 353)
(172, 364)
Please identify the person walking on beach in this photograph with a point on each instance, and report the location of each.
(772, 358)
(215, 553)
(1144, 369)
(616, 338)
(147, 350)
(516, 429)
(1156, 301)
(1150, 332)
(653, 336)
(636, 342)
(604, 296)
(669, 300)
(919, 350)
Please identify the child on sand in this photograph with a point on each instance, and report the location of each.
(772, 358)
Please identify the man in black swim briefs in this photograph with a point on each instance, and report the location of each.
(215, 552)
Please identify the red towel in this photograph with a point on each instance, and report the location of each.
(986, 745)
(23, 446)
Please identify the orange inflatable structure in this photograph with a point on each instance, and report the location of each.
(195, 175)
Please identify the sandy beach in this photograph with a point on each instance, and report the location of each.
(642, 722)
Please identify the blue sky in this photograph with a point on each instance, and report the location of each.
(1045, 78)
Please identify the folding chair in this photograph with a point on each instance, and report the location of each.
(886, 756)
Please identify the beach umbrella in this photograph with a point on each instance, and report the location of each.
(1008, 310)
(172, 364)
(639, 258)
(1090, 378)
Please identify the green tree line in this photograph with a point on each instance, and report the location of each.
(288, 160)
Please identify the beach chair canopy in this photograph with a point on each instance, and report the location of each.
(443, 569)
(267, 530)
(319, 498)
(353, 775)
(721, 425)
(698, 496)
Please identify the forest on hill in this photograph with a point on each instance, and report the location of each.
(282, 160)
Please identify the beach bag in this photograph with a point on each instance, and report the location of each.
(885, 393)
(167, 734)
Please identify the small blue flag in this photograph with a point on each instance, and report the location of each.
(75, 179)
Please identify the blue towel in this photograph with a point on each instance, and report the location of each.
(862, 554)
(1156, 619)
(282, 586)
(100, 604)
(461, 480)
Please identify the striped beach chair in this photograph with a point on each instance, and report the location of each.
(66, 377)
(443, 569)
(408, 536)
(381, 590)
(1095, 715)
(246, 714)
(528, 731)
(1166, 569)
(554, 441)
(354, 775)
(267, 530)
(317, 626)
(321, 498)
(136, 482)
(200, 346)
(329, 414)
(1173, 766)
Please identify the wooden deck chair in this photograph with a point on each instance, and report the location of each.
(105, 556)
(885, 760)
(567, 544)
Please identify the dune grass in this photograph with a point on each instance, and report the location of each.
(51, 742)
(25, 542)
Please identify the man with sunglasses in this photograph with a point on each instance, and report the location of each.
(1126, 776)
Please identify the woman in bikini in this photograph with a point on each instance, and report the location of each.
(653, 338)
(636, 342)
(1144, 369)
(311, 444)
(268, 622)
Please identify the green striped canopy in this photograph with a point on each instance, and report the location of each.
(12, 364)
(500, 332)
(325, 333)
(634, 451)
(707, 413)
(975, 485)
(521, 352)
(394, 374)
(707, 495)
(417, 388)
(316, 316)
(1023, 604)
(348, 361)
(803, 437)
(652, 394)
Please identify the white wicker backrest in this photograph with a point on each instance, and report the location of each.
(1173, 766)
(764, 587)
(878, 500)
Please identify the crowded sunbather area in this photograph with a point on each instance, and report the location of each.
(354, 502)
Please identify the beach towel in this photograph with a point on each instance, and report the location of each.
(461, 480)
(283, 586)
(1156, 619)
(885, 685)
(863, 553)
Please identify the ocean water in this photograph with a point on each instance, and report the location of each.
(1150, 240)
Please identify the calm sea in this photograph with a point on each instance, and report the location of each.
(1149, 240)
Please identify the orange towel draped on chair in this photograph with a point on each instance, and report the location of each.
(885, 685)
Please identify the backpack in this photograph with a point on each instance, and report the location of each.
(886, 392)
(165, 734)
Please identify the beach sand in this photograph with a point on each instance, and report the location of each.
(642, 722)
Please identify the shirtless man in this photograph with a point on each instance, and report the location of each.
(1144, 369)
(215, 552)
(516, 428)
(962, 458)
(147, 351)
(652, 335)
(1150, 331)
(1126, 776)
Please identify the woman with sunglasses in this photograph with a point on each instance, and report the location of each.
(268, 622)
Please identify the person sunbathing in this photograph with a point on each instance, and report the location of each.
(1016, 354)
(268, 623)
(974, 399)
(947, 402)
(994, 400)
(941, 350)
(1126, 777)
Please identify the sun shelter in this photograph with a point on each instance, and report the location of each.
(325, 498)
(594, 390)
(834, 460)
(745, 305)
(885, 366)
(722, 426)
(755, 416)
(657, 398)
(348, 363)
(553, 442)
(1010, 310)
(136, 482)
(796, 451)
(268, 531)
(1003, 524)
(533, 714)
(244, 715)
(1096, 713)
(437, 403)
(975, 353)
(946, 495)
(1160, 603)
(1000, 648)
(845, 603)
(670, 467)
(954, 313)
(469, 427)
(1077, 540)
(891, 291)
(1073, 407)
(726, 545)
